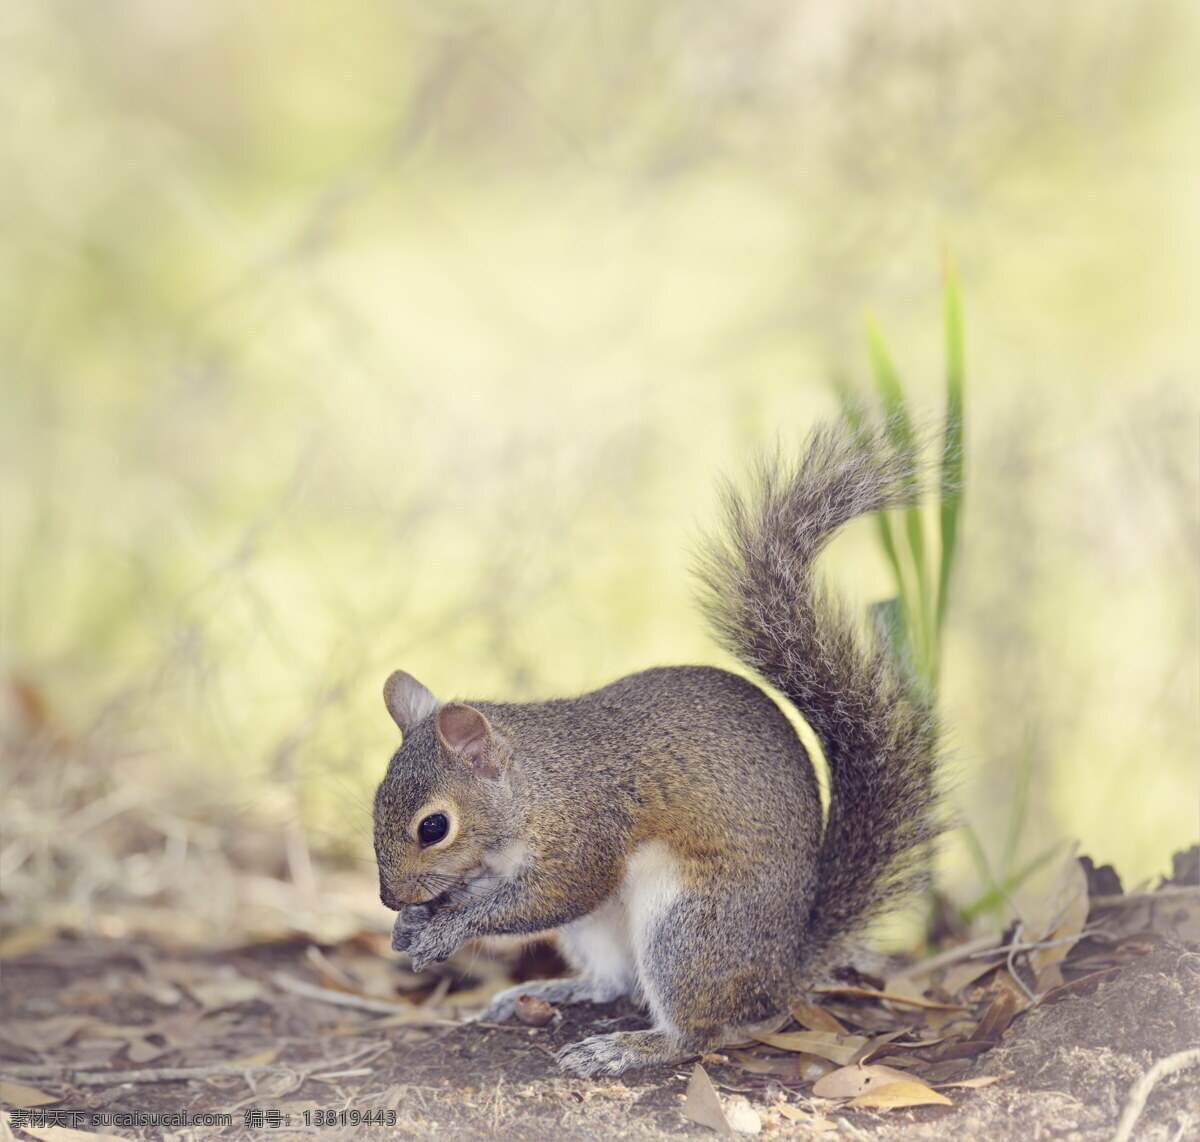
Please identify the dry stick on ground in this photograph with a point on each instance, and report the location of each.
(412, 1014)
(172, 1074)
(1142, 1088)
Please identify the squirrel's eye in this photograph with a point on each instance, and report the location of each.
(433, 828)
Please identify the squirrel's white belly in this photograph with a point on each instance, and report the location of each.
(608, 945)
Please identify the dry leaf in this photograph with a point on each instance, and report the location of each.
(893, 997)
(143, 1050)
(25, 1097)
(63, 1133)
(259, 1058)
(812, 1017)
(1009, 1002)
(1060, 917)
(44, 1035)
(961, 976)
(946, 1071)
(893, 1096)
(840, 1048)
(847, 1082)
(22, 941)
(702, 1104)
(803, 1066)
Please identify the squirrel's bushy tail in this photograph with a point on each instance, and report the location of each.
(878, 735)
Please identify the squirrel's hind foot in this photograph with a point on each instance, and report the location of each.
(619, 1052)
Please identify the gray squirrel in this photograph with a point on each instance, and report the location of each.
(668, 826)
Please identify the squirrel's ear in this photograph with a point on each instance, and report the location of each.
(465, 735)
(407, 700)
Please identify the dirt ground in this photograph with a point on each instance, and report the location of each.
(228, 1034)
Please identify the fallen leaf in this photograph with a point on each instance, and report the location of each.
(25, 1097)
(1059, 919)
(893, 1096)
(1009, 1002)
(44, 1035)
(840, 1048)
(259, 1058)
(976, 1083)
(804, 1066)
(945, 1072)
(63, 1133)
(892, 997)
(961, 976)
(813, 1017)
(143, 1050)
(702, 1104)
(22, 941)
(847, 1082)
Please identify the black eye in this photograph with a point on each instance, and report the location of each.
(433, 828)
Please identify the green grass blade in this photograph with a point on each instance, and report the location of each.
(899, 426)
(952, 442)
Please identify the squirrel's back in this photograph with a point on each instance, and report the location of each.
(694, 753)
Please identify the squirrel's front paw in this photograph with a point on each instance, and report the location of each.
(436, 940)
(410, 920)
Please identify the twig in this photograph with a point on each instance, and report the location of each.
(1142, 1088)
(1086, 934)
(152, 1074)
(116, 1077)
(346, 999)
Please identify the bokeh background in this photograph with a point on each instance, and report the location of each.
(341, 337)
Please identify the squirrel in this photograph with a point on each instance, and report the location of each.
(668, 826)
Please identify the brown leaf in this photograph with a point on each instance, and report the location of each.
(702, 1104)
(1059, 918)
(847, 1082)
(22, 941)
(63, 1133)
(892, 997)
(945, 1071)
(958, 978)
(839, 1048)
(25, 1097)
(259, 1058)
(805, 1066)
(44, 1035)
(976, 1083)
(813, 1017)
(1009, 1002)
(900, 1094)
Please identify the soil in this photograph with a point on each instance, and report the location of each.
(80, 1018)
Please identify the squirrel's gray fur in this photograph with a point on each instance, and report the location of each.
(668, 825)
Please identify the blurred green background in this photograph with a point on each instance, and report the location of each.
(342, 337)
